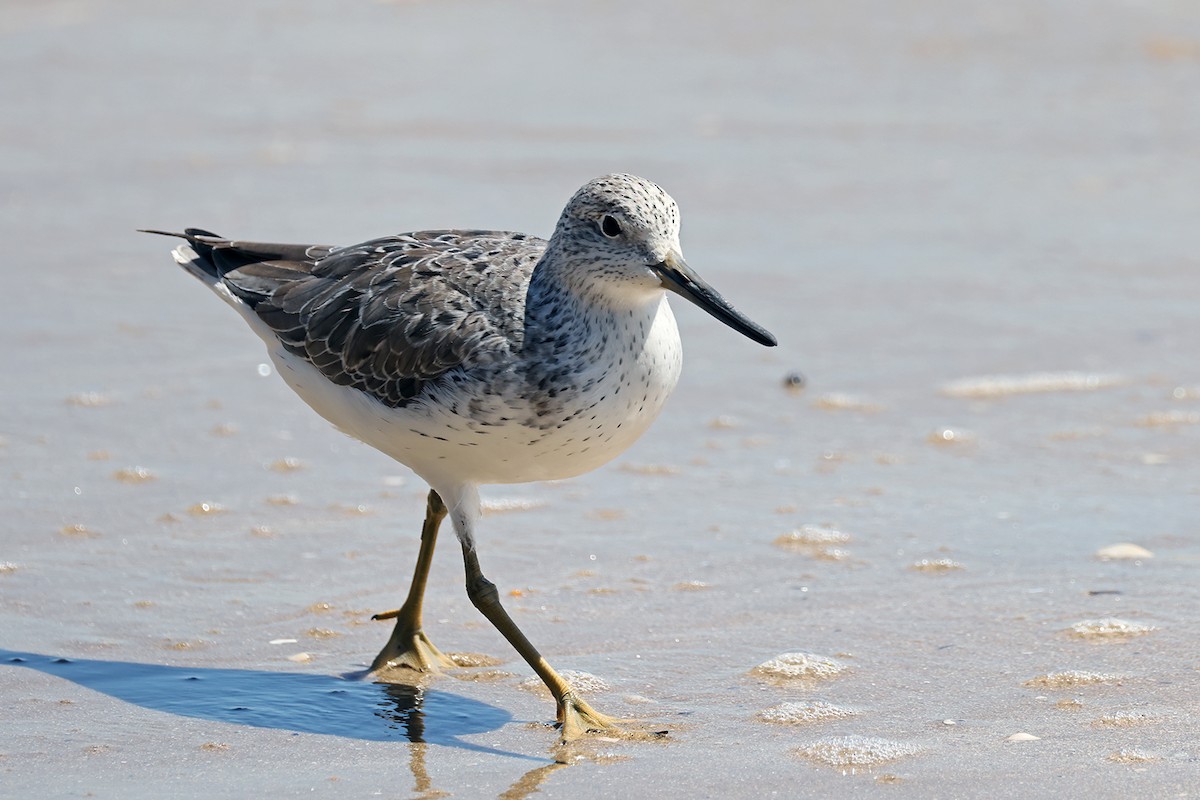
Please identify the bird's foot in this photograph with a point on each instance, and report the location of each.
(409, 650)
(395, 612)
(576, 718)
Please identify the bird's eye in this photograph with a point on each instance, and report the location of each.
(609, 226)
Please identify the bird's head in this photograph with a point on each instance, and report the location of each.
(620, 234)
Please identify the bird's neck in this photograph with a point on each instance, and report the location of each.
(567, 305)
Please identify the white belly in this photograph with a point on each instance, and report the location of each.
(443, 447)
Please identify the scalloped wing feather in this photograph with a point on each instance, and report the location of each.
(392, 316)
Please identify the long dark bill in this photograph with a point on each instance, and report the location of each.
(678, 277)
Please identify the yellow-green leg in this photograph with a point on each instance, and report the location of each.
(409, 647)
(575, 716)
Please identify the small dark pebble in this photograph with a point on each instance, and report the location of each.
(794, 382)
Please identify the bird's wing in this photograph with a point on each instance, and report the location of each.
(392, 315)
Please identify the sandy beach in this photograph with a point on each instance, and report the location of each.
(960, 560)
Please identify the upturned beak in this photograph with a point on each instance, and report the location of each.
(677, 276)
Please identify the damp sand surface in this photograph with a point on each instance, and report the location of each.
(971, 227)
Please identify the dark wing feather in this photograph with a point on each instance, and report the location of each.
(390, 316)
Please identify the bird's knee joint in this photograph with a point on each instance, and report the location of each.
(483, 592)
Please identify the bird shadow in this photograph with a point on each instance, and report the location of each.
(290, 701)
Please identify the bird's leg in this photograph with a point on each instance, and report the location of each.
(409, 647)
(575, 716)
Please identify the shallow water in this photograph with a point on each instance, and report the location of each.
(972, 228)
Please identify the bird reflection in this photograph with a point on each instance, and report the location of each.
(400, 708)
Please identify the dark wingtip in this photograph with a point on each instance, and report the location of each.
(203, 242)
(191, 234)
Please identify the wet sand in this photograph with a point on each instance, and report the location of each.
(960, 562)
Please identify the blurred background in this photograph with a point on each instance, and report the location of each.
(971, 225)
